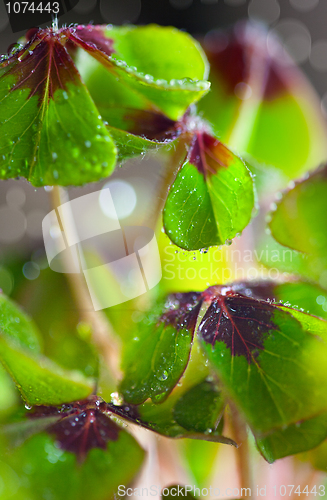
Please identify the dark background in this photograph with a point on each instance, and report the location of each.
(305, 28)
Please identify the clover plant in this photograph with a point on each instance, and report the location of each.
(239, 362)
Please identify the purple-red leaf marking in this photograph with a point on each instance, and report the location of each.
(241, 322)
(44, 64)
(83, 425)
(208, 154)
(182, 310)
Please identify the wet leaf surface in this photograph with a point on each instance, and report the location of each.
(267, 357)
(156, 357)
(52, 126)
(211, 199)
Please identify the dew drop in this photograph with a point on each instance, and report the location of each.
(164, 375)
(117, 398)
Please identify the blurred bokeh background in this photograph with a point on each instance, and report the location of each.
(300, 23)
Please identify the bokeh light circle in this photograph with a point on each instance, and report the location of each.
(16, 197)
(295, 39)
(124, 198)
(318, 56)
(12, 224)
(304, 5)
(31, 270)
(34, 223)
(264, 10)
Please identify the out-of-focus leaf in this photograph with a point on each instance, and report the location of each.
(15, 433)
(270, 358)
(298, 221)
(212, 197)
(157, 356)
(51, 130)
(65, 340)
(17, 326)
(39, 380)
(281, 259)
(318, 457)
(296, 438)
(261, 103)
(200, 457)
(40, 469)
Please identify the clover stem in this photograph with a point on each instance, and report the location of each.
(243, 459)
(102, 331)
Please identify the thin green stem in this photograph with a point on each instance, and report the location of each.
(243, 459)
